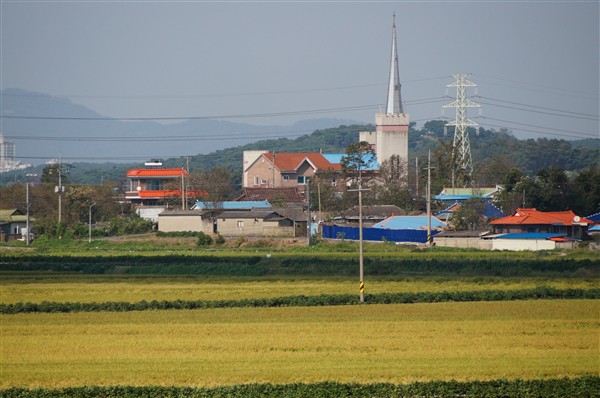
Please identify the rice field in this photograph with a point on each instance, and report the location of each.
(35, 288)
(365, 344)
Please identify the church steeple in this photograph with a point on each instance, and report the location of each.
(394, 100)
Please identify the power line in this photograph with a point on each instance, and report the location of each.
(541, 127)
(540, 88)
(217, 95)
(591, 117)
(239, 116)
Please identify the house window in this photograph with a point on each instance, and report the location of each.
(255, 180)
(286, 178)
(154, 185)
(333, 182)
(240, 224)
(303, 180)
(263, 181)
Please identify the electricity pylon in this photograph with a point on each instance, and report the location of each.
(462, 162)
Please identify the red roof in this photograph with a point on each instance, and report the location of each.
(156, 172)
(292, 161)
(534, 217)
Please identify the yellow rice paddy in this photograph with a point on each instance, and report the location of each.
(368, 343)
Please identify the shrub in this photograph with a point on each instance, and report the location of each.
(203, 239)
(219, 240)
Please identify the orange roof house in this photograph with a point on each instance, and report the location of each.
(147, 186)
(529, 220)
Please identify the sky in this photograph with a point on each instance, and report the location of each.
(535, 63)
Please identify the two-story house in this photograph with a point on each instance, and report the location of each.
(148, 186)
(263, 169)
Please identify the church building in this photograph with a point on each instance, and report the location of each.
(390, 137)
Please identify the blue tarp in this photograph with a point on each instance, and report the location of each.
(376, 234)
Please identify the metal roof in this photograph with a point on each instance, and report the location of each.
(234, 205)
(409, 222)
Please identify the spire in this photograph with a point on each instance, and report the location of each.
(394, 101)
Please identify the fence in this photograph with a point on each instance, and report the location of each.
(376, 234)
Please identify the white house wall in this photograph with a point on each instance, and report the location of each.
(523, 244)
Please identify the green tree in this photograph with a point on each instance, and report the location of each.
(50, 174)
(470, 216)
(585, 196)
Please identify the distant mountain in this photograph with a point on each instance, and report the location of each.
(44, 127)
(329, 135)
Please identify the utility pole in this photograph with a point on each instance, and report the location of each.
(27, 199)
(273, 169)
(429, 238)
(90, 223)
(309, 219)
(417, 175)
(360, 238)
(59, 189)
(182, 190)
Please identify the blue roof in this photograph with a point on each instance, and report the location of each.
(235, 205)
(455, 198)
(594, 228)
(491, 211)
(594, 217)
(531, 235)
(408, 222)
(336, 158)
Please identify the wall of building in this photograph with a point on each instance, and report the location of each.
(249, 157)
(263, 169)
(184, 223)
(523, 244)
(149, 212)
(470, 243)
(392, 136)
(252, 227)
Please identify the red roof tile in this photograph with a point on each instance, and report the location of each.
(534, 217)
(292, 161)
(174, 172)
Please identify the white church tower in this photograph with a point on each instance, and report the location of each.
(391, 135)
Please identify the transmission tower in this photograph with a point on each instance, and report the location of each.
(462, 163)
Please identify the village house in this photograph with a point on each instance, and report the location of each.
(523, 221)
(151, 187)
(233, 218)
(13, 222)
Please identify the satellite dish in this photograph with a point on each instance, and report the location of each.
(139, 188)
(576, 218)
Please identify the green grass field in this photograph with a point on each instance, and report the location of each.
(365, 344)
(38, 287)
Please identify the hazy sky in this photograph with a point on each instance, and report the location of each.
(536, 63)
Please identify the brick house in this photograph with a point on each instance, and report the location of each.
(263, 169)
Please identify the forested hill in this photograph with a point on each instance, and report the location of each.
(529, 155)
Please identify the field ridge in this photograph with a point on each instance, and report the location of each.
(582, 387)
(542, 292)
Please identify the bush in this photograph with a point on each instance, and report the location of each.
(203, 239)
(583, 387)
(219, 240)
